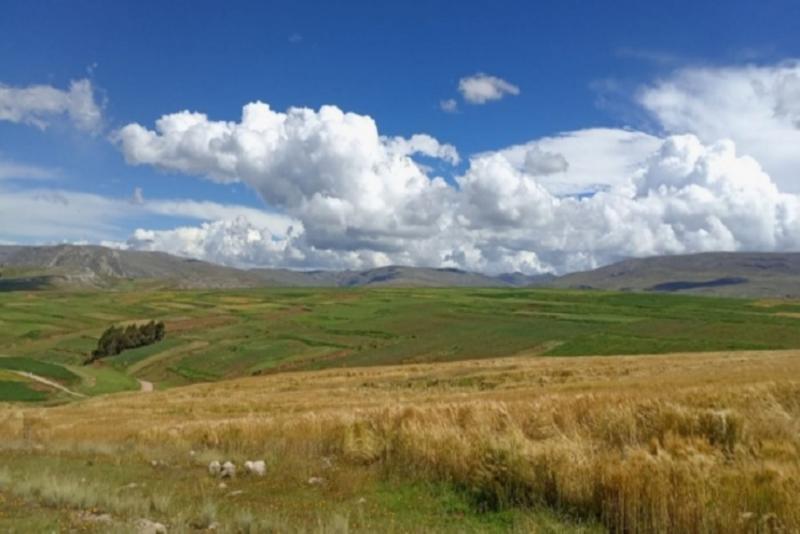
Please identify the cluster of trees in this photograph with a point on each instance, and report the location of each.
(116, 339)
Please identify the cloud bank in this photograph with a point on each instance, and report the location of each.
(568, 202)
(758, 107)
(718, 172)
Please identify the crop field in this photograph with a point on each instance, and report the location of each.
(402, 410)
(664, 443)
(215, 335)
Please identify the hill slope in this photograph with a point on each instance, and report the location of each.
(740, 274)
(24, 267)
(94, 266)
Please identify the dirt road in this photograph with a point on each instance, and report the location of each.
(50, 383)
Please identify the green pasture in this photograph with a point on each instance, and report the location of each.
(218, 334)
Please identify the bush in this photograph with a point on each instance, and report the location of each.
(116, 339)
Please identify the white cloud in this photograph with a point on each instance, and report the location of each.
(229, 242)
(596, 159)
(349, 186)
(138, 196)
(11, 170)
(758, 107)
(38, 105)
(449, 105)
(422, 144)
(481, 88)
(362, 201)
(541, 163)
(688, 197)
(274, 223)
(339, 194)
(53, 215)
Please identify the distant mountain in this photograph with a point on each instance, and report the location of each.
(93, 266)
(739, 274)
(397, 276)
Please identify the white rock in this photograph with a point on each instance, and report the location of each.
(214, 468)
(222, 485)
(145, 526)
(316, 481)
(256, 467)
(228, 470)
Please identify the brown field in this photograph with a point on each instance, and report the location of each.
(677, 443)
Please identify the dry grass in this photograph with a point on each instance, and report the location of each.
(679, 443)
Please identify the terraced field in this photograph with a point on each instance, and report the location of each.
(214, 335)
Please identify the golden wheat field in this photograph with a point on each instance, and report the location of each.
(676, 443)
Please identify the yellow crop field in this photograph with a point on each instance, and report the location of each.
(665, 443)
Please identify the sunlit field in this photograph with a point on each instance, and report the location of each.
(676, 443)
(402, 410)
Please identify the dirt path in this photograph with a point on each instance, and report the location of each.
(50, 383)
(145, 386)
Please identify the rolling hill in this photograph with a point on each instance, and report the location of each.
(735, 274)
(24, 267)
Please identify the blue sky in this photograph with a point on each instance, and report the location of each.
(575, 66)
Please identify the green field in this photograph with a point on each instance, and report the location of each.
(16, 390)
(213, 335)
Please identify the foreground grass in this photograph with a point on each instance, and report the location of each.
(677, 443)
(96, 491)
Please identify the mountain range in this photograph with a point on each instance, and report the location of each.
(735, 274)
(741, 274)
(95, 266)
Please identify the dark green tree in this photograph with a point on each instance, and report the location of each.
(116, 339)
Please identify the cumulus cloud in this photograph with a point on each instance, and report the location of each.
(422, 144)
(348, 185)
(584, 161)
(228, 242)
(758, 107)
(481, 88)
(360, 200)
(39, 105)
(541, 163)
(339, 194)
(687, 197)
